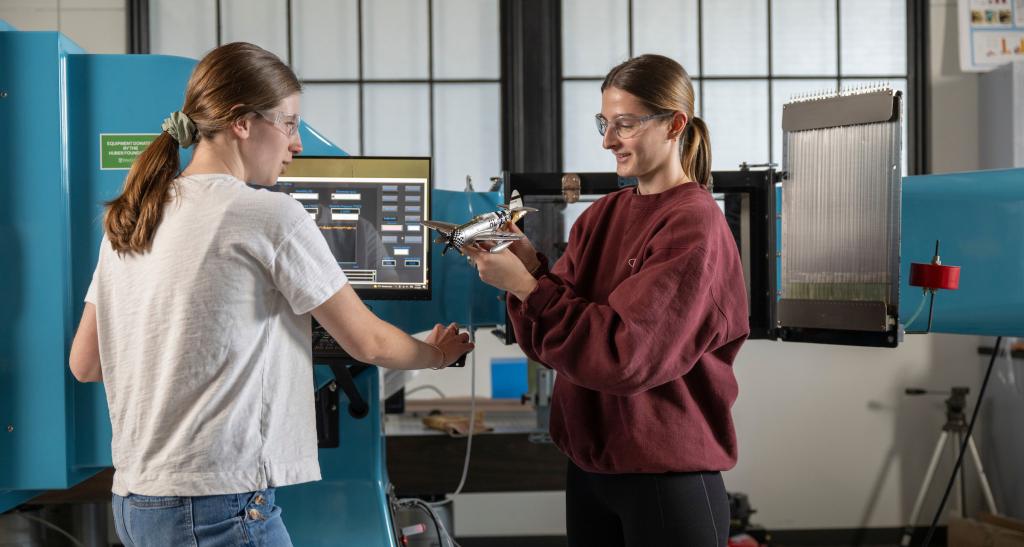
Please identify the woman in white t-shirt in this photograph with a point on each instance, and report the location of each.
(197, 320)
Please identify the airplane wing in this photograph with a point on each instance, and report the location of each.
(443, 227)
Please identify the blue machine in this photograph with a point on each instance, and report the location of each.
(56, 102)
(979, 219)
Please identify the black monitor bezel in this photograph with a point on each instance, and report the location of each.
(367, 293)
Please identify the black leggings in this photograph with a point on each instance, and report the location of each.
(646, 510)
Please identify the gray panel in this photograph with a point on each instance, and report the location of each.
(1001, 115)
(835, 111)
(833, 314)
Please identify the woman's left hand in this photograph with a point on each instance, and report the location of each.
(502, 270)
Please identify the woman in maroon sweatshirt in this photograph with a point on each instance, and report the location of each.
(642, 318)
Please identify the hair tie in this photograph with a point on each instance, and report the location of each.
(181, 128)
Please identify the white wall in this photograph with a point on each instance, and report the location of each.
(99, 26)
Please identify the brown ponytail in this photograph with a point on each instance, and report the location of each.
(664, 86)
(133, 216)
(230, 82)
(695, 152)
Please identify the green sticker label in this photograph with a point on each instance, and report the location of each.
(118, 151)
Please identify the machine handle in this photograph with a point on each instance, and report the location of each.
(357, 407)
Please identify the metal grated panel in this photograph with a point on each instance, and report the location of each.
(841, 200)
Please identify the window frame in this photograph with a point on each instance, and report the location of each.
(916, 105)
(139, 30)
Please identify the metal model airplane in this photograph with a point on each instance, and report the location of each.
(485, 227)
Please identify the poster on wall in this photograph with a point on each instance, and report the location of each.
(991, 33)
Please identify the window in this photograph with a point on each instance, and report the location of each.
(746, 59)
(380, 77)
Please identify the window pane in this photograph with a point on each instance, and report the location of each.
(803, 37)
(467, 135)
(900, 84)
(735, 38)
(737, 117)
(261, 22)
(333, 110)
(325, 39)
(594, 36)
(873, 37)
(395, 39)
(696, 98)
(397, 118)
(783, 91)
(182, 27)
(466, 39)
(581, 144)
(667, 28)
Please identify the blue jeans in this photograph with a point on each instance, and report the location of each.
(231, 520)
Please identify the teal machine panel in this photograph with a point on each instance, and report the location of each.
(39, 400)
(978, 217)
(54, 431)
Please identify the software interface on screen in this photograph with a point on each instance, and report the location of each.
(370, 212)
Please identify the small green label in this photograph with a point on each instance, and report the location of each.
(118, 151)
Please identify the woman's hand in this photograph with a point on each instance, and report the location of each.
(451, 343)
(502, 270)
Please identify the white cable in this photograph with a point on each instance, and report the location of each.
(472, 424)
(53, 527)
(920, 308)
(425, 386)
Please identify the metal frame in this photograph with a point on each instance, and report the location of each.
(137, 12)
(919, 157)
(531, 68)
(759, 186)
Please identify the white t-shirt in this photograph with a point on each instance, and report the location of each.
(205, 343)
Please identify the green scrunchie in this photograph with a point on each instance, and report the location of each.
(181, 128)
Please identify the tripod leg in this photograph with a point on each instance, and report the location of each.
(958, 486)
(908, 532)
(985, 489)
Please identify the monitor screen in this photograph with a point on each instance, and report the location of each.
(370, 212)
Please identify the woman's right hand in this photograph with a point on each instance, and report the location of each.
(451, 343)
(524, 249)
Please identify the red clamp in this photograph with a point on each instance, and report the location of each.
(934, 276)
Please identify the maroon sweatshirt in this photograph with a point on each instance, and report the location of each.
(642, 317)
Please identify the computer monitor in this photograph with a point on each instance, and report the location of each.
(370, 210)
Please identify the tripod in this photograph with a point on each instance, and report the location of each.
(954, 430)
